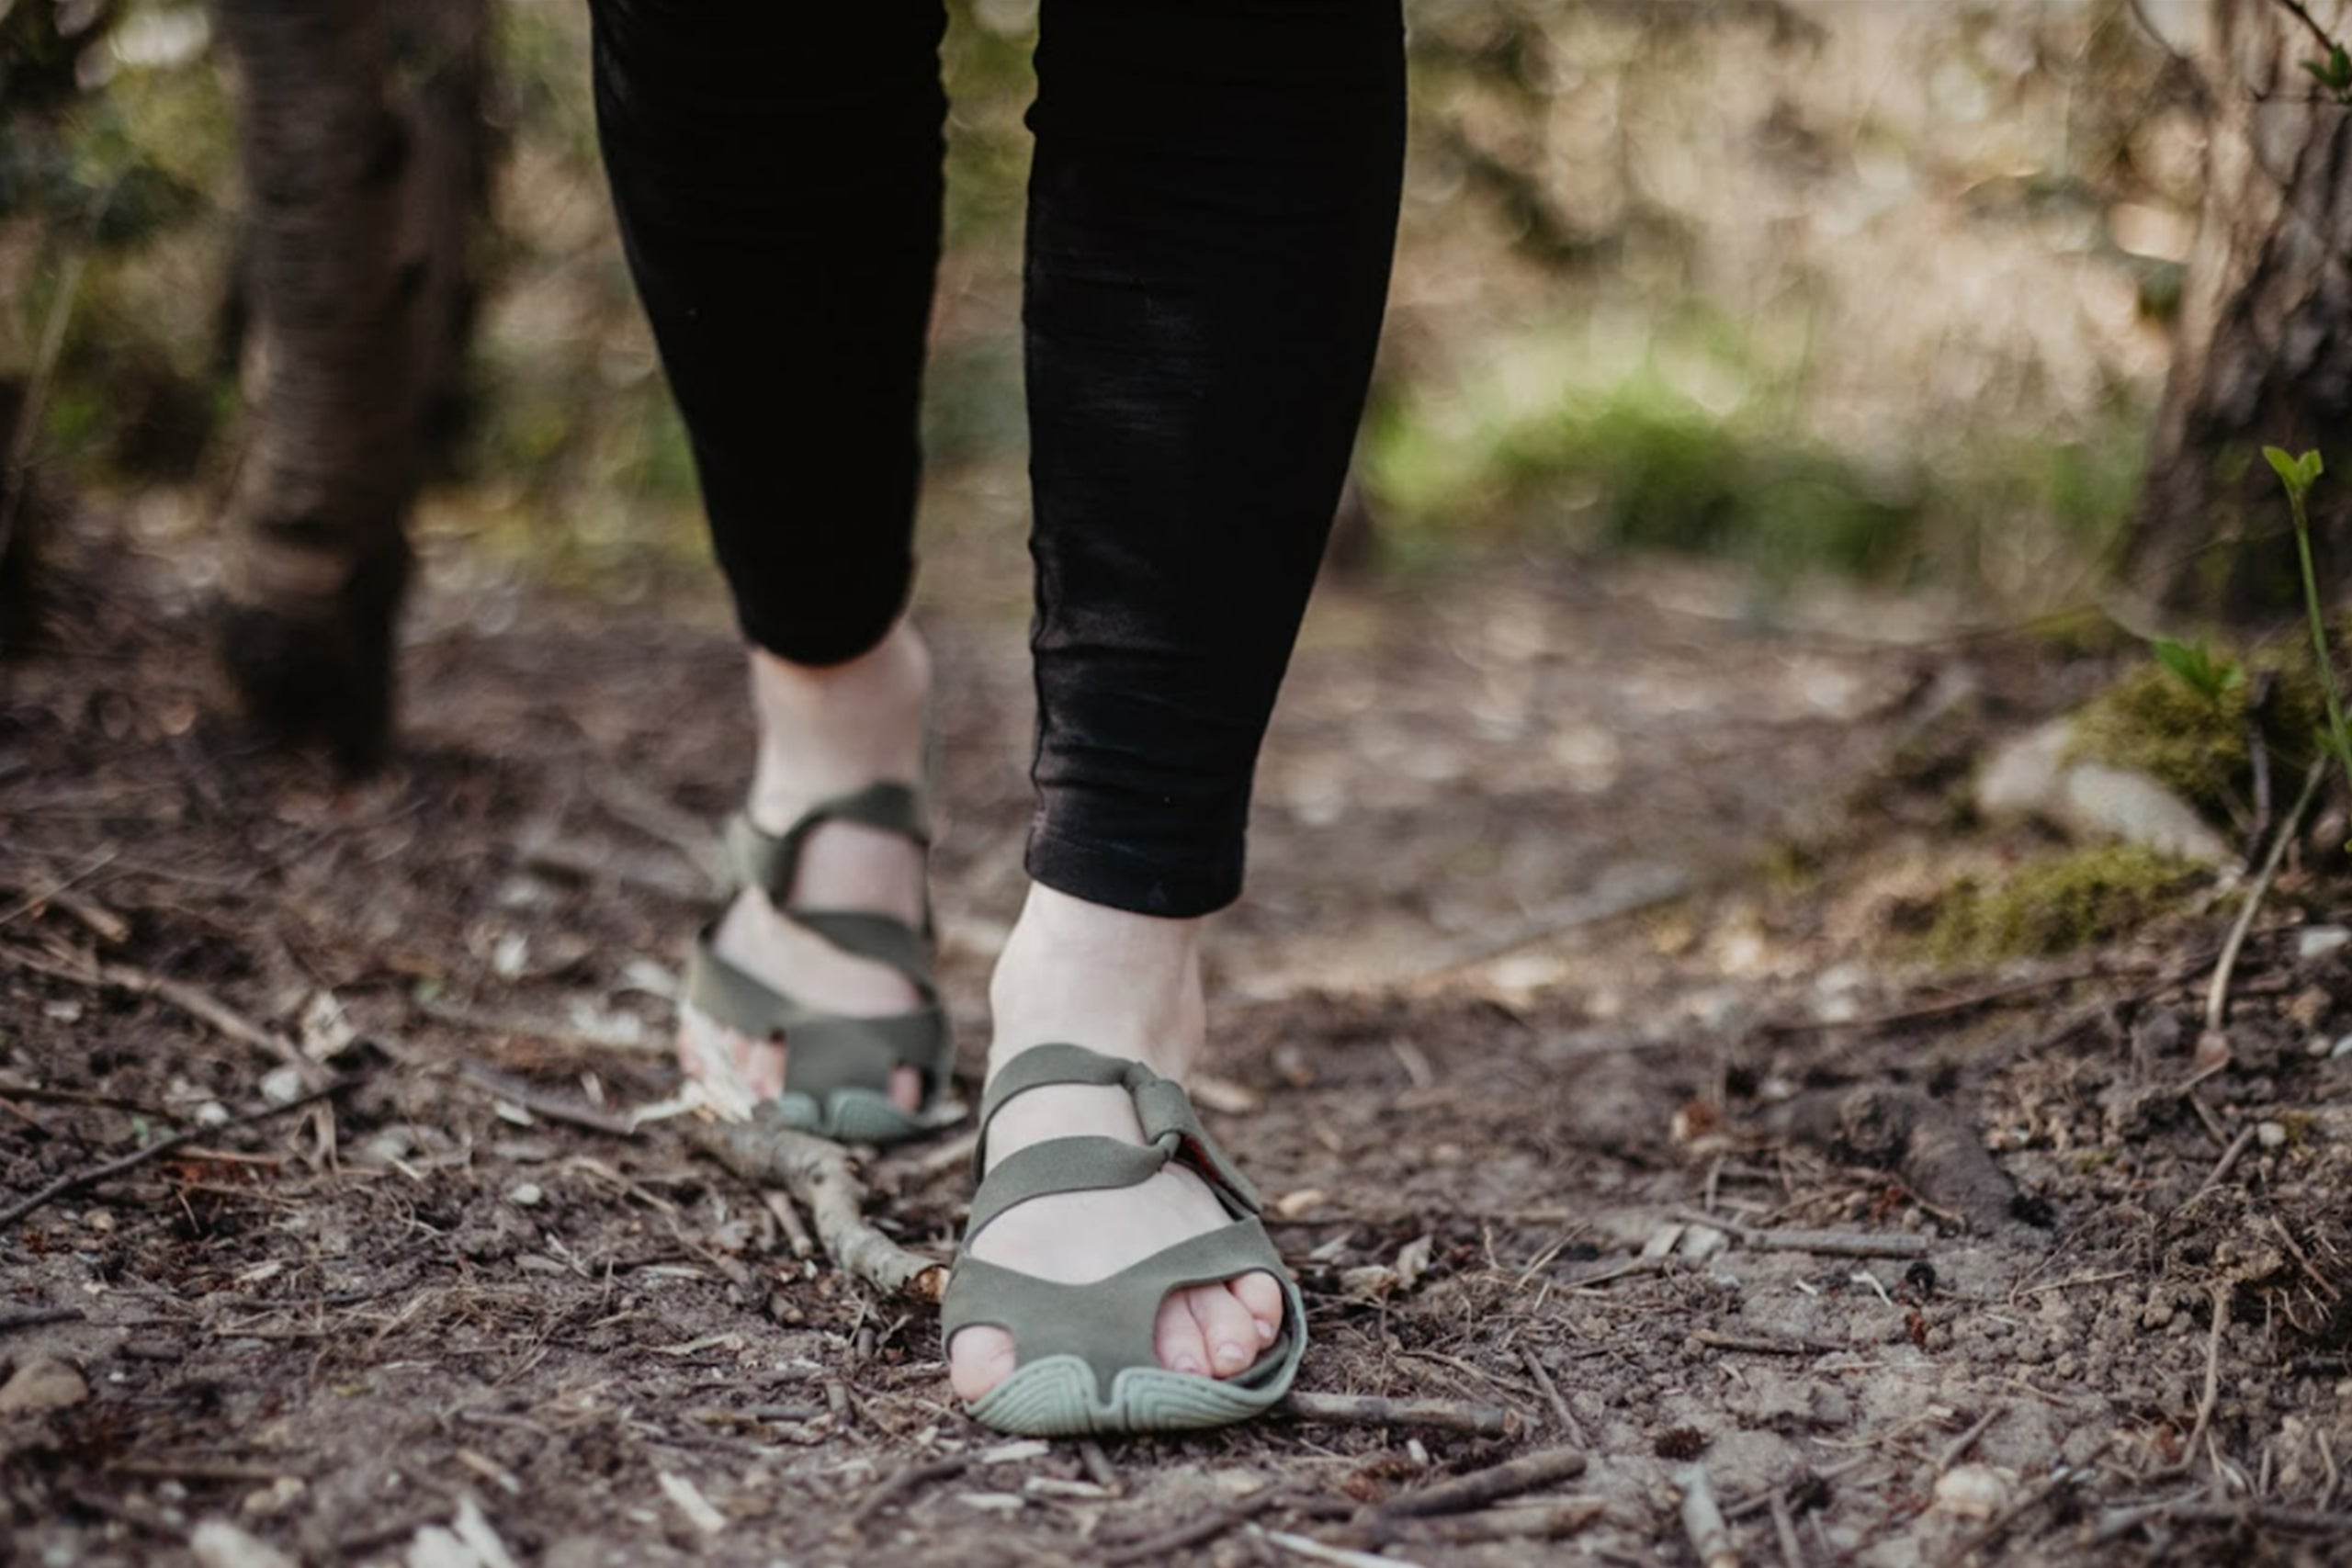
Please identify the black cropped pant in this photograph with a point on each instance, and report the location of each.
(1212, 211)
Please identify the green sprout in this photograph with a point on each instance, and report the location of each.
(2299, 474)
(2335, 73)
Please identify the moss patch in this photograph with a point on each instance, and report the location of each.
(2195, 743)
(2056, 904)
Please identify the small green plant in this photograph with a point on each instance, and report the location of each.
(2299, 474)
(2196, 667)
(2335, 73)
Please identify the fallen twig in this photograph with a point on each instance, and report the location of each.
(1374, 1410)
(39, 1317)
(2212, 1394)
(1757, 1345)
(897, 1484)
(1784, 1529)
(96, 1174)
(1830, 1244)
(1304, 1545)
(1957, 1450)
(552, 1107)
(2217, 995)
(1198, 1532)
(1560, 1411)
(1516, 1522)
(816, 1172)
(193, 1000)
(1929, 1013)
(1702, 1520)
(2222, 1166)
(1481, 1487)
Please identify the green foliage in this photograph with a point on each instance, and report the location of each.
(2056, 904)
(2195, 666)
(2335, 73)
(2191, 731)
(2299, 474)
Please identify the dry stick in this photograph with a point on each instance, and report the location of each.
(1481, 1487)
(2217, 997)
(155, 1151)
(1830, 1244)
(2212, 1394)
(1374, 1410)
(1784, 1526)
(1755, 1345)
(2222, 1166)
(788, 1216)
(1566, 1418)
(39, 1317)
(1703, 1521)
(1199, 1532)
(1930, 1011)
(1958, 1447)
(1515, 1522)
(1098, 1467)
(816, 1171)
(194, 1001)
(1304, 1545)
(899, 1482)
(553, 1108)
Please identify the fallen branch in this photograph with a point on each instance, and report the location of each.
(193, 1000)
(816, 1172)
(2217, 995)
(1828, 1244)
(899, 1482)
(1199, 1532)
(1372, 1410)
(551, 1107)
(1703, 1521)
(1481, 1487)
(1923, 1141)
(1517, 1521)
(96, 1174)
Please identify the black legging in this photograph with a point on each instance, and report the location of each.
(1211, 215)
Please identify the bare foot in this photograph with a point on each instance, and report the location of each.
(1124, 985)
(822, 733)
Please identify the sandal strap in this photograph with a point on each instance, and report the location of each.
(1169, 1123)
(1061, 1165)
(1110, 1322)
(771, 861)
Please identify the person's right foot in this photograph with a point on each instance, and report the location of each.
(824, 734)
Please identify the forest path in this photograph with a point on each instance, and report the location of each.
(1509, 1002)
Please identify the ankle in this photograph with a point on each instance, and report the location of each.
(1123, 984)
(826, 731)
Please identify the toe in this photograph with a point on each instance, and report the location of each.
(979, 1358)
(1177, 1337)
(1261, 1295)
(1225, 1327)
(906, 1089)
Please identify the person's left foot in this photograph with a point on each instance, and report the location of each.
(1122, 984)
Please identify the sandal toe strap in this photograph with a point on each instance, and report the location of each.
(1110, 1322)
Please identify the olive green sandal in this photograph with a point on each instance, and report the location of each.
(837, 1068)
(1086, 1363)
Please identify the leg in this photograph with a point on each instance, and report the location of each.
(782, 229)
(1212, 212)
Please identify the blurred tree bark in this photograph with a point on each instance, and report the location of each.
(2264, 354)
(363, 143)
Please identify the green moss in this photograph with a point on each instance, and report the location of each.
(2057, 903)
(2195, 743)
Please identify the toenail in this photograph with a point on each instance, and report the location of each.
(1230, 1354)
(1189, 1364)
(1266, 1331)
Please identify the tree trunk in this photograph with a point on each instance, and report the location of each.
(2263, 355)
(361, 141)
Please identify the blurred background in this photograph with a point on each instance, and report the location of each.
(1830, 290)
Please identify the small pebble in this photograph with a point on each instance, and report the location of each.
(42, 1382)
(526, 1195)
(2271, 1136)
(2318, 942)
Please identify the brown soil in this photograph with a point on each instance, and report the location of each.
(1530, 1030)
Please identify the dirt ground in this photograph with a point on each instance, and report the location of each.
(1565, 1027)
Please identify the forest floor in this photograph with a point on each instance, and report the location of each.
(1568, 1026)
